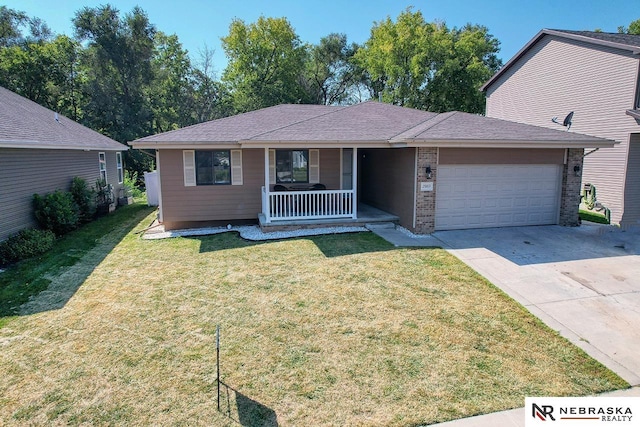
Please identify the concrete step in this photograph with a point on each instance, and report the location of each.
(380, 225)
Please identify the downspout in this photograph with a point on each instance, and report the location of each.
(267, 199)
(160, 215)
(354, 185)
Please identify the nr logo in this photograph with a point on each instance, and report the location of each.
(542, 412)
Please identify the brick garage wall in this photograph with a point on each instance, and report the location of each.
(426, 200)
(570, 201)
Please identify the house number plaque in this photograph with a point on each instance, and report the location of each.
(426, 186)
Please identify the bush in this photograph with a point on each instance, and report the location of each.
(26, 244)
(84, 198)
(56, 211)
(131, 184)
(104, 196)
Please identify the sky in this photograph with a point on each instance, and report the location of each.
(203, 22)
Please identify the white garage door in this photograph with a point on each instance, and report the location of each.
(480, 196)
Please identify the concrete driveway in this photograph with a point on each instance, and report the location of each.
(583, 282)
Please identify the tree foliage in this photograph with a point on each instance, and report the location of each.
(331, 73)
(13, 23)
(118, 70)
(633, 28)
(265, 63)
(426, 65)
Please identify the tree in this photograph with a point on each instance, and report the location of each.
(266, 60)
(469, 61)
(33, 63)
(399, 57)
(171, 92)
(118, 72)
(424, 65)
(212, 99)
(633, 28)
(331, 72)
(13, 23)
(43, 72)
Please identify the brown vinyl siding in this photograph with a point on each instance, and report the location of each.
(598, 83)
(209, 203)
(24, 172)
(500, 156)
(632, 185)
(330, 168)
(386, 181)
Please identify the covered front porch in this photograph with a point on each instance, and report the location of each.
(298, 189)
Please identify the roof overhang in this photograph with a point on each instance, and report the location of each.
(225, 145)
(176, 145)
(458, 143)
(633, 49)
(470, 143)
(38, 145)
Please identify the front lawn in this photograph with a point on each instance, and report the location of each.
(330, 330)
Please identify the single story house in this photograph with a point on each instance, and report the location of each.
(306, 164)
(592, 78)
(40, 152)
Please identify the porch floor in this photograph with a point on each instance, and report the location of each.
(366, 215)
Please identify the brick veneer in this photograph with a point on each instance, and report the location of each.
(426, 200)
(570, 201)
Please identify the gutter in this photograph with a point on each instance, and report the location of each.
(40, 146)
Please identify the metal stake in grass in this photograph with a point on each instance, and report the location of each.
(218, 362)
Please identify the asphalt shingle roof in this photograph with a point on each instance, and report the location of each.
(458, 126)
(632, 40)
(243, 126)
(367, 122)
(24, 123)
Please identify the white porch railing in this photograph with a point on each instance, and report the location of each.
(301, 205)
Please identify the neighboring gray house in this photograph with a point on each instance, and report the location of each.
(304, 165)
(40, 152)
(596, 76)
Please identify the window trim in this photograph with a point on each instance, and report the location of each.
(102, 165)
(119, 167)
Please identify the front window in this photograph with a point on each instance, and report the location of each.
(292, 166)
(213, 167)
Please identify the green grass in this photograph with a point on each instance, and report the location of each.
(328, 330)
(593, 216)
(28, 278)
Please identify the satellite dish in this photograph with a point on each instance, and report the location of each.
(566, 122)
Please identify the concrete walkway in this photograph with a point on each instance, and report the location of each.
(394, 235)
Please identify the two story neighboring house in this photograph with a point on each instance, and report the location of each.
(595, 75)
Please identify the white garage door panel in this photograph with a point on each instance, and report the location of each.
(480, 196)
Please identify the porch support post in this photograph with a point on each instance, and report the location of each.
(354, 185)
(266, 209)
